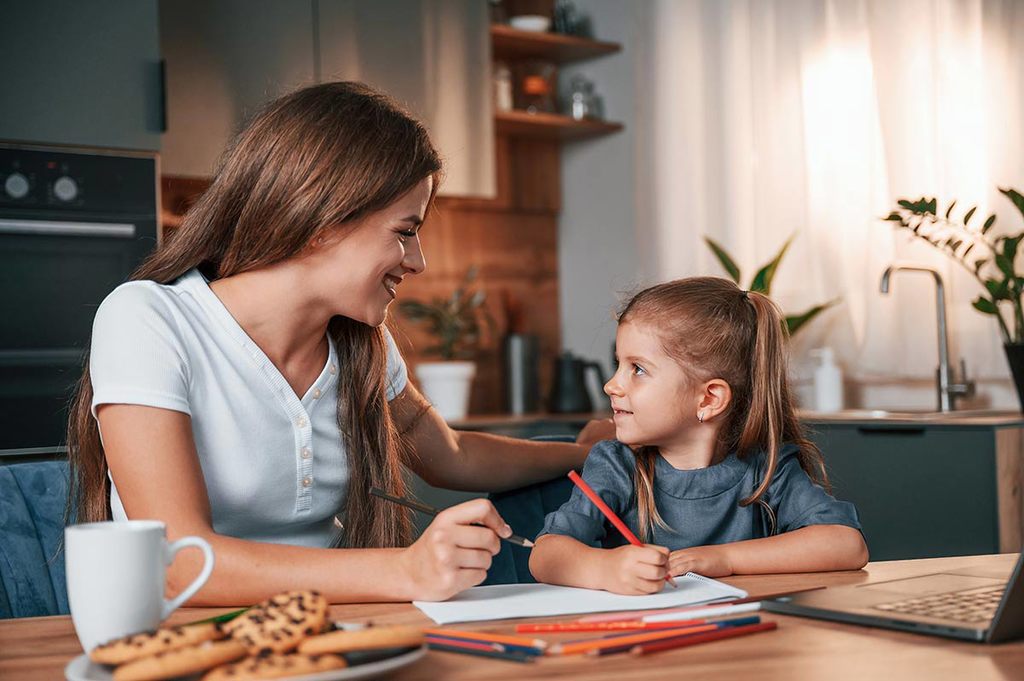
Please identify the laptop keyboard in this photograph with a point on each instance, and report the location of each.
(972, 605)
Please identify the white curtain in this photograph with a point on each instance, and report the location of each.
(765, 118)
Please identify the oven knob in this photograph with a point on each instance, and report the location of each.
(16, 186)
(65, 188)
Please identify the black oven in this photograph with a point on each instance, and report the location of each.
(74, 223)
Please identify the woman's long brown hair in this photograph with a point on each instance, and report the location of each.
(715, 330)
(309, 162)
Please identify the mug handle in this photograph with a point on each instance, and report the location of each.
(170, 551)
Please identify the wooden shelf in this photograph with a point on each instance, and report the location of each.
(550, 126)
(511, 43)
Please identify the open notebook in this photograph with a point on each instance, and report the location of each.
(508, 601)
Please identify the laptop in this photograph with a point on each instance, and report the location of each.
(972, 604)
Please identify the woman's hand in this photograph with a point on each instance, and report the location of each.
(595, 431)
(636, 570)
(454, 552)
(710, 561)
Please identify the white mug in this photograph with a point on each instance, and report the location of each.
(116, 575)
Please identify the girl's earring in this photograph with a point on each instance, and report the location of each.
(700, 416)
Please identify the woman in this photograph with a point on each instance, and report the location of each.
(246, 390)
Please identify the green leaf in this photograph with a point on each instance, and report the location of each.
(894, 217)
(1005, 266)
(988, 223)
(907, 204)
(1015, 197)
(982, 304)
(997, 289)
(950, 209)
(724, 259)
(795, 322)
(762, 282)
(969, 215)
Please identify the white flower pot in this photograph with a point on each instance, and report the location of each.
(446, 386)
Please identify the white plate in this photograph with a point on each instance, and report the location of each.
(82, 669)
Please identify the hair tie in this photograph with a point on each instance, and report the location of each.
(745, 295)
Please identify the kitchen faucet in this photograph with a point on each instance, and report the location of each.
(948, 391)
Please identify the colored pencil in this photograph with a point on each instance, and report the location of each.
(729, 632)
(629, 625)
(431, 511)
(576, 647)
(488, 637)
(718, 611)
(465, 650)
(610, 515)
(465, 644)
(506, 647)
(622, 646)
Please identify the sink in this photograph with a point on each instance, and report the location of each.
(929, 416)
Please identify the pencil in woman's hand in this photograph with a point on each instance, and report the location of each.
(431, 511)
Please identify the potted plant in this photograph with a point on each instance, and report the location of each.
(456, 323)
(987, 256)
(762, 282)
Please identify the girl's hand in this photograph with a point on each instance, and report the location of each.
(710, 561)
(636, 570)
(454, 552)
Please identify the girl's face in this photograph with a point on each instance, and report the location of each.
(651, 396)
(356, 271)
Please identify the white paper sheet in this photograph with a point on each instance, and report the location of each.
(509, 601)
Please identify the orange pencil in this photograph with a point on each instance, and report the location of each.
(702, 638)
(487, 637)
(559, 627)
(618, 641)
(610, 515)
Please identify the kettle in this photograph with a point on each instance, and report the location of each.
(569, 392)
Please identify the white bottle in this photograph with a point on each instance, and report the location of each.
(828, 382)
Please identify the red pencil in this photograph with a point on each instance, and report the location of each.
(559, 627)
(681, 642)
(610, 515)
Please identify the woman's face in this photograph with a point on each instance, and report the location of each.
(356, 271)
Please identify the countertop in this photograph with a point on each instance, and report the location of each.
(989, 418)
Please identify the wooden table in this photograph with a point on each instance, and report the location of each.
(38, 648)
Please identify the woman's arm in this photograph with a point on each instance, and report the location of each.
(815, 548)
(153, 461)
(634, 570)
(476, 462)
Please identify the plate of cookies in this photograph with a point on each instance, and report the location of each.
(285, 637)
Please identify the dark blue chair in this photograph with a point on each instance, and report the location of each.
(524, 509)
(32, 500)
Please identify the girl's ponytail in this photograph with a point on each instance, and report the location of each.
(765, 422)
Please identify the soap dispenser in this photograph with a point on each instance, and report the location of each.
(828, 381)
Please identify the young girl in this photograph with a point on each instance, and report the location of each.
(709, 454)
(247, 390)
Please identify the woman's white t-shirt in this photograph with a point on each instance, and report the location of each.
(274, 464)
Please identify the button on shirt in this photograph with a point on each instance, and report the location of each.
(274, 463)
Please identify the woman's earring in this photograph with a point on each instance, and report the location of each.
(700, 416)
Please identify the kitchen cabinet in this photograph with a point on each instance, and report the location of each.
(81, 73)
(225, 58)
(928, 489)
